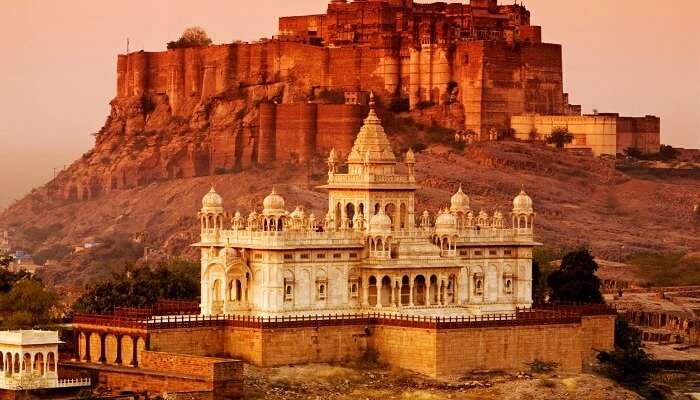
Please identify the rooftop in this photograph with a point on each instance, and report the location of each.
(29, 337)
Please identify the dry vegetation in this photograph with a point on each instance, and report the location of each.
(360, 381)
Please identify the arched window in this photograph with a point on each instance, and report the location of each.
(51, 360)
(350, 213)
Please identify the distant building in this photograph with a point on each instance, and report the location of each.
(601, 133)
(29, 361)
(5, 243)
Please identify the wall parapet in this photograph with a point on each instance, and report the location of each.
(522, 317)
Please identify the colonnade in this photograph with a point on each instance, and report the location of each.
(114, 348)
(34, 363)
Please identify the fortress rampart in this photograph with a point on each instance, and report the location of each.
(492, 80)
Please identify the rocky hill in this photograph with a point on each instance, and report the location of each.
(578, 200)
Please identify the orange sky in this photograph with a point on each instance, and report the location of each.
(57, 72)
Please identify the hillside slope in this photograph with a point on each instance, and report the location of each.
(578, 200)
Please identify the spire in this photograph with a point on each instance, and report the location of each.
(372, 139)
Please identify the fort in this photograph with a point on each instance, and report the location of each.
(200, 111)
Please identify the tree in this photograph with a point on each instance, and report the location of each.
(533, 134)
(575, 280)
(629, 363)
(27, 304)
(5, 260)
(633, 152)
(560, 137)
(142, 286)
(538, 289)
(667, 153)
(191, 37)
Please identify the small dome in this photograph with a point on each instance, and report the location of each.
(333, 156)
(445, 223)
(522, 203)
(298, 213)
(212, 200)
(410, 157)
(273, 203)
(380, 223)
(459, 201)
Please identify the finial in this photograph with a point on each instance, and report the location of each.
(460, 188)
(274, 189)
(371, 99)
(212, 190)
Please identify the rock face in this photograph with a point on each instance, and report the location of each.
(207, 110)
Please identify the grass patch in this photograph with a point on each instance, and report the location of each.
(667, 269)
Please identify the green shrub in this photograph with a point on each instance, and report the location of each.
(422, 105)
(191, 37)
(540, 366)
(399, 105)
(56, 252)
(332, 96)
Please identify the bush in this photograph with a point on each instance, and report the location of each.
(191, 37)
(422, 105)
(55, 252)
(540, 366)
(633, 152)
(332, 96)
(667, 153)
(142, 286)
(38, 235)
(399, 105)
(628, 363)
(560, 136)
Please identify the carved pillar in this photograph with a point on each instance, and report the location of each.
(134, 352)
(410, 292)
(118, 359)
(103, 339)
(87, 346)
(76, 345)
(427, 292)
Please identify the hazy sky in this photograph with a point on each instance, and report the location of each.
(57, 71)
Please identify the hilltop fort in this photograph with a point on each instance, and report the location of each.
(478, 68)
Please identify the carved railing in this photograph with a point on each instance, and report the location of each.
(371, 179)
(522, 317)
(274, 239)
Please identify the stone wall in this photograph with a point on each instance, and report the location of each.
(160, 372)
(597, 333)
(605, 133)
(643, 133)
(457, 351)
(598, 133)
(191, 341)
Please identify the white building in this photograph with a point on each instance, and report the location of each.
(29, 360)
(371, 252)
